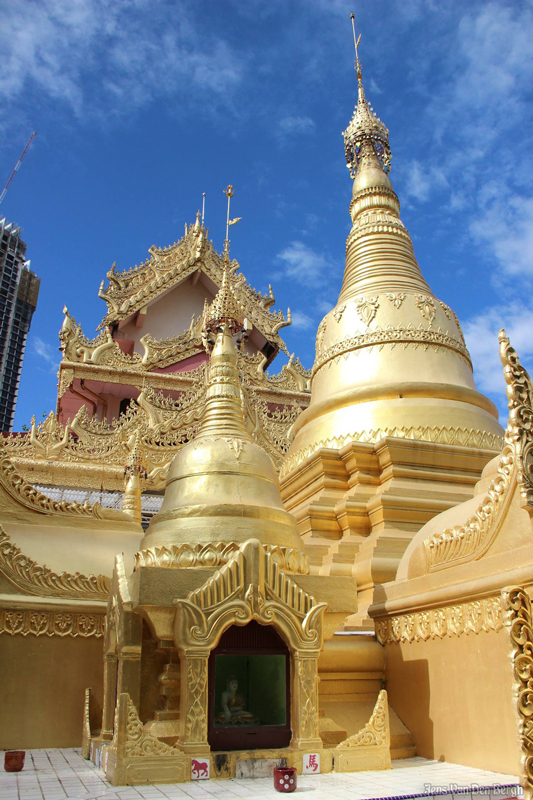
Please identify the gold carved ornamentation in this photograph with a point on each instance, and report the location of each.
(195, 721)
(26, 574)
(215, 554)
(133, 289)
(376, 731)
(465, 618)
(320, 335)
(471, 540)
(30, 497)
(339, 311)
(519, 433)
(86, 729)
(396, 299)
(163, 424)
(517, 604)
(464, 437)
(377, 223)
(447, 310)
(426, 306)
(308, 681)
(203, 613)
(51, 623)
(367, 308)
(66, 376)
(391, 336)
(138, 741)
(369, 748)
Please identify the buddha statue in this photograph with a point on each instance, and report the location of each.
(233, 705)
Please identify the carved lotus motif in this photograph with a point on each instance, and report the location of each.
(367, 308)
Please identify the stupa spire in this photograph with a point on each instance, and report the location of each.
(366, 136)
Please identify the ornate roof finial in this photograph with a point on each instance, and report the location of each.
(356, 41)
(366, 135)
(229, 192)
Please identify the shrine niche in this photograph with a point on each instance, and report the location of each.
(249, 589)
(249, 689)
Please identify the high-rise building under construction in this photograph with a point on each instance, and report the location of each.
(19, 289)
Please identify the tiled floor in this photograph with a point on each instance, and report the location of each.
(61, 774)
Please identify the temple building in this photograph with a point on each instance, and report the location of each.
(140, 381)
(350, 591)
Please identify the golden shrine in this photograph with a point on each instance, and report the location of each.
(342, 614)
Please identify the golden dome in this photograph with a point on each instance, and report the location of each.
(222, 488)
(391, 359)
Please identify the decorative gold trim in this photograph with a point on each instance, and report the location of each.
(396, 299)
(418, 337)
(519, 433)
(436, 623)
(464, 437)
(30, 497)
(26, 574)
(366, 308)
(376, 732)
(138, 741)
(472, 539)
(215, 554)
(86, 728)
(51, 623)
(133, 289)
(519, 619)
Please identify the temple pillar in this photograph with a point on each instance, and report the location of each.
(110, 692)
(304, 701)
(193, 701)
(129, 673)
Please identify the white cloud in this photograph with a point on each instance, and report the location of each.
(481, 334)
(50, 355)
(505, 226)
(290, 126)
(475, 127)
(304, 264)
(421, 181)
(57, 47)
(302, 321)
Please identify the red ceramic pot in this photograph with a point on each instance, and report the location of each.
(285, 779)
(14, 760)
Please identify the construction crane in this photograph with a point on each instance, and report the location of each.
(17, 166)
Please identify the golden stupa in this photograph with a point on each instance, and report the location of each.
(222, 484)
(390, 356)
(396, 430)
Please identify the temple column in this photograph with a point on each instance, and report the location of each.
(304, 701)
(193, 701)
(110, 692)
(129, 673)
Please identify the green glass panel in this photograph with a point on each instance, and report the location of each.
(250, 690)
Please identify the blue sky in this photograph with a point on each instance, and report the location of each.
(142, 105)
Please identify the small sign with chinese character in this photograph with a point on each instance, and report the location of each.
(311, 764)
(200, 769)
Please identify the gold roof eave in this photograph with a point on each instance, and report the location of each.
(131, 290)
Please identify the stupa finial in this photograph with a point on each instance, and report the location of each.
(366, 135)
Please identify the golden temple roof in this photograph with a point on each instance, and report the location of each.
(131, 290)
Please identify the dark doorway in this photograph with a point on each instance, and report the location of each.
(249, 690)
